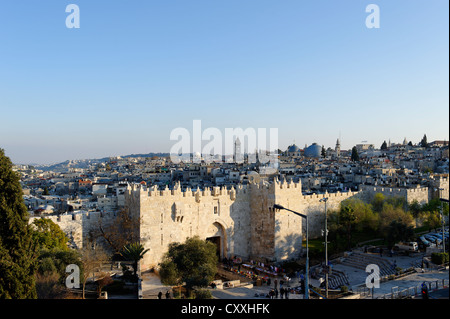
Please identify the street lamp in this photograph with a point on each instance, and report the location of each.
(306, 296)
(325, 199)
(443, 220)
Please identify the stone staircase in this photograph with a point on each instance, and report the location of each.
(361, 260)
(337, 279)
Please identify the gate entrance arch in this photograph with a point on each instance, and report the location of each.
(217, 235)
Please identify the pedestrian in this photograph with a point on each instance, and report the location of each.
(286, 293)
(271, 294)
(276, 293)
(160, 295)
(167, 294)
(281, 293)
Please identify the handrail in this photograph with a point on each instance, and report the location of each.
(317, 293)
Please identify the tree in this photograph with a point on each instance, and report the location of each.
(18, 251)
(378, 202)
(434, 205)
(366, 217)
(48, 234)
(383, 146)
(399, 231)
(347, 218)
(415, 208)
(431, 219)
(355, 155)
(104, 281)
(134, 252)
(389, 213)
(92, 258)
(193, 262)
(121, 232)
(48, 286)
(56, 260)
(424, 142)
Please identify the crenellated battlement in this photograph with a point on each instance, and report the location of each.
(419, 193)
(67, 218)
(338, 195)
(394, 190)
(211, 192)
(240, 216)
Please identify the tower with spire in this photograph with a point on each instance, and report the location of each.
(338, 148)
(237, 156)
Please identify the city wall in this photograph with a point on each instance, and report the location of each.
(240, 221)
(80, 228)
(419, 194)
(439, 188)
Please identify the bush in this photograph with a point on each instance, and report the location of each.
(116, 287)
(439, 258)
(203, 294)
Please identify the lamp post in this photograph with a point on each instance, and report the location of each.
(306, 296)
(325, 199)
(443, 220)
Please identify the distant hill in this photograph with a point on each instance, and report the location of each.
(84, 163)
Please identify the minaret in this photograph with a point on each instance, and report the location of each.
(338, 148)
(238, 158)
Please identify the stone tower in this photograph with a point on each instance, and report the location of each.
(338, 148)
(237, 156)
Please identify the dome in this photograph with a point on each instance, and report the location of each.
(293, 148)
(313, 151)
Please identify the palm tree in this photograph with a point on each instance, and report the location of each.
(134, 252)
(347, 218)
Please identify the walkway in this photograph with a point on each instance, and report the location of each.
(151, 286)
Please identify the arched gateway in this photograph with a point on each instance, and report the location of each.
(216, 234)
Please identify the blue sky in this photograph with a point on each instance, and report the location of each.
(135, 70)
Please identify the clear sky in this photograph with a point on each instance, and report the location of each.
(135, 70)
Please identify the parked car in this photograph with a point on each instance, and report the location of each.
(425, 242)
(408, 246)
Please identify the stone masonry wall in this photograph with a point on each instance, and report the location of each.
(241, 220)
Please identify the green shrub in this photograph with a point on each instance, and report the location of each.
(439, 258)
(203, 294)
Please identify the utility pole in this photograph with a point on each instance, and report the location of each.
(327, 268)
(276, 206)
(443, 221)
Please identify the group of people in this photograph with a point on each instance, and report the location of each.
(284, 293)
(167, 295)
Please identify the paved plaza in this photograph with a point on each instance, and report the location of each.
(151, 285)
